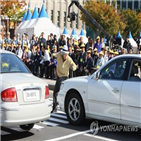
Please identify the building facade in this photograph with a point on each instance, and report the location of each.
(58, 11)
(131, 4)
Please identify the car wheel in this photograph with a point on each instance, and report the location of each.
(75, 109)
(27, 126)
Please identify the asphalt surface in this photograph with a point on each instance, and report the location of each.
(57, 128)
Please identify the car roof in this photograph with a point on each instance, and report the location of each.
(5, 51)
(129, 56)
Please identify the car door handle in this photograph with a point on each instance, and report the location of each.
(115, 90)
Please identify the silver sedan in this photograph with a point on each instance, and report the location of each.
(24, 97)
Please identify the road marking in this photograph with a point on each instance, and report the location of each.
(99, 137)
(49, 123)
(58, 120)
(4, 133)
(17, 129)
(69, 136)
(59, 116)
(37, 127)
(58, 111)
(51, 99)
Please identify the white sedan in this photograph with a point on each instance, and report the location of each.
(24, 97)
(112, 93)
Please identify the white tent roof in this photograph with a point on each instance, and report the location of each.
(74, 35)
(22, 28)
(132, 41)
(42, 24)
(33, 18)
(18, 28)
(65, 33)
(82, 34)
(119, 36)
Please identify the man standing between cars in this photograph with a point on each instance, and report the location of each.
(64, 64)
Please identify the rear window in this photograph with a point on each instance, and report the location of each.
(11, 64)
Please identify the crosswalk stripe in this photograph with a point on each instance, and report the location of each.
(58, 111)
(51, 99)
(49, 123)
(58, 120)
(37, 127)
(4, 133)
(59, 116)
(17, 129)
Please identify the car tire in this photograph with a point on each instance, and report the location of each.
(76, 114)
(27, 126)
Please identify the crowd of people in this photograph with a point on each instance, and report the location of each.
(39, 54)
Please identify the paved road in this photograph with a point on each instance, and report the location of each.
(58, 128)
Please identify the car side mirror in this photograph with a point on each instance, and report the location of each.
(97, 75)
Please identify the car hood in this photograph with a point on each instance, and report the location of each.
(77, 79)
(19, 78)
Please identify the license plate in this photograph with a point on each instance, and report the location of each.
(31, 95)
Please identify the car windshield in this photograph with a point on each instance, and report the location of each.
(11, 64)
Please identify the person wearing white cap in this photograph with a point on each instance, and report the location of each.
(100, 61)
(64, 64)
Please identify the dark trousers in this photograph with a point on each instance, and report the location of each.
(56, 90)
(45, 69)
(52, 71)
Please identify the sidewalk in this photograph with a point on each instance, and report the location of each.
(51, 83)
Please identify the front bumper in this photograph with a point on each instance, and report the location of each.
(15, 114)
(61, 100)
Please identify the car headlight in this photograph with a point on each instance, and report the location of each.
(62, 86)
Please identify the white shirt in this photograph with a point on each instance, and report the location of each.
(100, 62)
(19, 53)
(46, 56)
(105, 59)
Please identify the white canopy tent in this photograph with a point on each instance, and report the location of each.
(133, 42)
(18, 28)
(42, 24)
(74, 35)
(27, 19)
(33, 19)
(82, 34)
(119, 36)
(65, 33)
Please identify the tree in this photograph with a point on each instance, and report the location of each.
(105, 15)
(139, 17)
(13, 9)
(132, 21)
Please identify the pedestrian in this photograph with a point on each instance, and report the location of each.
(64, 64)
(98, 45)
(127, 45)
(100, 61)
(42, 41)
(45, 62)
(19, 51)
(89, 64)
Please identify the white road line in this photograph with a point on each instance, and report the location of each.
(99, 137)
(4, 133)
(58, 111)
(69, 136)
(17, 129)
(51, 99)
(38, 127)
(59, 116)
(49, 123)
(58, 120)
